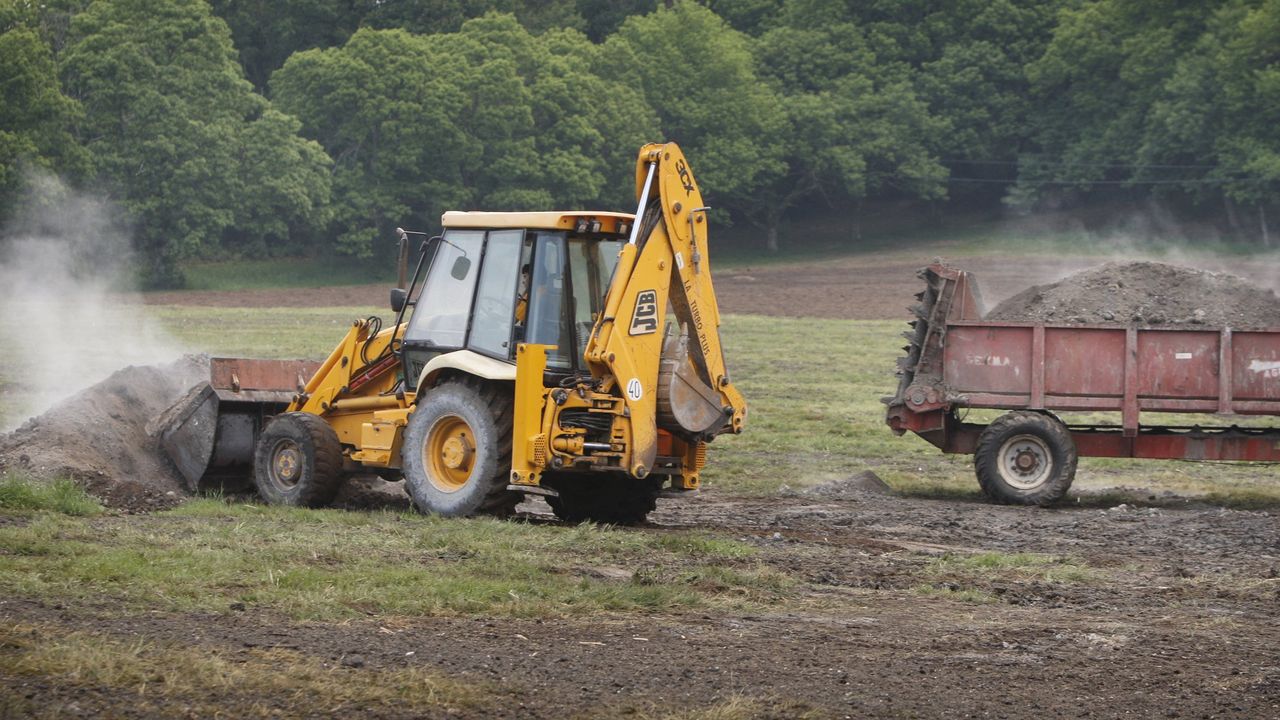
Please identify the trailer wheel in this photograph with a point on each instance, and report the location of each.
(297, 461)
(1025, 458)
(612, 498)
(457, 450)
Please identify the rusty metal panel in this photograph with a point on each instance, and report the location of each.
(1181, 444)
(1180, 405)
(1084, 361)
(1006, 401)
(1256, 407)
(237, 374)
(1178, 364)
(1083, 402)
(967, 301)
(1226, 389)
(988, 359)
(1255, 365)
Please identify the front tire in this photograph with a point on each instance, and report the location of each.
(457, 450)
(297, 461)
(1025, 458)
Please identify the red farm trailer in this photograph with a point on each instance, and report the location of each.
(956, 361)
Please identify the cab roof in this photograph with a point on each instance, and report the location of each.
(551, 220)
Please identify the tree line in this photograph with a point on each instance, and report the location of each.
(248, 127)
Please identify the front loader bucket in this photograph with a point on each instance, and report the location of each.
(209, 434)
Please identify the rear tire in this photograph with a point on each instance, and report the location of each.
(613, 498)
(457, 450)
(297, 461)
(1025, 458)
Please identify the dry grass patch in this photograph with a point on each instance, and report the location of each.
(157, 676)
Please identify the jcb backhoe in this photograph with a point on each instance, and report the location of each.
(531, 353)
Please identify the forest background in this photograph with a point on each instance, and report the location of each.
(286, 128)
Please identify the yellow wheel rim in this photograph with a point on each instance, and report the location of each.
(286, 463)
(449, 453)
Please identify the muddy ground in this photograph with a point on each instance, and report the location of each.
(1172, 615)
(1157, 610)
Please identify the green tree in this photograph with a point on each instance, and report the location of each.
(855, 125)
(282, 188)
(578, 148)
(699, 76)
(392, 121)
(974, 76)
(171, 123)
(603, 17)
(435, 17)
(1099, 80)
(1217, 111)
(490, 117)
(964, 60)
(267, 32)
(35, 118)
(752, 17)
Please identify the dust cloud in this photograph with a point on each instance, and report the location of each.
(69, 315)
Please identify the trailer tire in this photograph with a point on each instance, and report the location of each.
(612, 498)
(457, 450)
(1025, 458)
(297, 461)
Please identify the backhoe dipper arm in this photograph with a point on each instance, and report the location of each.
(665, 261)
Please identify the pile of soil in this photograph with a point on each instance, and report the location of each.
(104, 439)
(1147, 294)
(850, 488)
(98, 437)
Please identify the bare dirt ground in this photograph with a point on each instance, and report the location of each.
(1171, 613)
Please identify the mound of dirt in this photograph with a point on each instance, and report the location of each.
(1147, 294)
(850, 488)
(98, 436)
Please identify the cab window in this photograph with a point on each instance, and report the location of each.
(440, 317)
(496, 294)
(547, 324)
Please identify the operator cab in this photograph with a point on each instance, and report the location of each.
(494, 280)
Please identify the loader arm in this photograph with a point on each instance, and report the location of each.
(678, 381)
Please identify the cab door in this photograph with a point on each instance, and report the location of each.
(468, 296)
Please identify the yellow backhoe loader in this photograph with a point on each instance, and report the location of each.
(574, 355)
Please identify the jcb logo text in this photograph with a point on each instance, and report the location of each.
(645, 319)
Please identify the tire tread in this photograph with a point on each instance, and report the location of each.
(319, 484)
(1049, 428)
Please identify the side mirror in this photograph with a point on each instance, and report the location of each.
(399, 296)
(461, 267)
